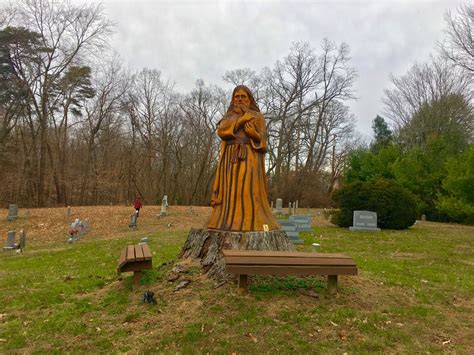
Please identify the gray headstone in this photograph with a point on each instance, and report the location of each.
(303, 222)
(10, 243)
(291, 230)
(12, 212)
(271, 205)
(133, 221)
(164, 204)
(279, 206)
(68, 211)
(423, 218)
(364, 221)
(296, 205)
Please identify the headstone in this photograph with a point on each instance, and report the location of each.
(77, 229)
(12, 212)
(164, 204)
(423, 218)
(10, 243)
(289, 227)
(143, 240)
(364, 221)
(289, 208)
(68, 211)
(303, 222)
(271, 205)
(133, 221)
(296, 204)
(279, 206)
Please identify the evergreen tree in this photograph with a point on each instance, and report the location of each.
(382, 134)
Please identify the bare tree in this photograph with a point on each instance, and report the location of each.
(423, 84)
(66, 32)
(302, 101)
(202, 109)
(101, 119)
(459, 45)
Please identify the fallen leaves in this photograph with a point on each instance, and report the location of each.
(252, 337)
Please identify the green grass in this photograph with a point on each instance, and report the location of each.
(414, 292)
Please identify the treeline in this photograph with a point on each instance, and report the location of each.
(77, 128)
(430, 149)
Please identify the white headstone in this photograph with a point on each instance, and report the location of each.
(164, 204)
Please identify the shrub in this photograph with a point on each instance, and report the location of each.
(395, 206)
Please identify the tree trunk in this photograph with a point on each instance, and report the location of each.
(206, 245)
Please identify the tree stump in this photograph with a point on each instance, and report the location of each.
(206, 245)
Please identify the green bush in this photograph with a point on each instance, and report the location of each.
(395, 206)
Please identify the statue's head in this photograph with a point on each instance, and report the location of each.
(242, 96)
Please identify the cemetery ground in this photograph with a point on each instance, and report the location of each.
(414, 291)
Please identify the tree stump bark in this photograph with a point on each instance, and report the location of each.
(206, 245)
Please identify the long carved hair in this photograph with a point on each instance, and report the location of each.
(253, 105)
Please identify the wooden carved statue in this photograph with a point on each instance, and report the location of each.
(239, 194)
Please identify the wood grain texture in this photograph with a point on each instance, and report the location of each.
(239, 194)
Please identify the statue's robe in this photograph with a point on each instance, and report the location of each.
(239, 194)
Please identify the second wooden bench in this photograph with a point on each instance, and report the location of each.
(135, 258)
(256, 262)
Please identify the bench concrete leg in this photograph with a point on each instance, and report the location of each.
(243, 283)
(137, 275)
(332, 284)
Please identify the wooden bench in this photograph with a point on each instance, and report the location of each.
(256, 262)
(135, 258)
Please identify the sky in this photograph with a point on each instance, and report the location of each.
(190, 40)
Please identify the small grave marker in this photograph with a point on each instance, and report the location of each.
(364, 221)
(279, 206)
(10, 243)
(12, 212)
(289, 227)
(133, 221)
(303, 222)
(77, 229)
(164, 205)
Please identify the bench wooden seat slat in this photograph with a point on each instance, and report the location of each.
(130, 253)
(139, 253)
(146, 252)
(289, 254)
(288, 261)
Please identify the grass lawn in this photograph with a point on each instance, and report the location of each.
(414, 292)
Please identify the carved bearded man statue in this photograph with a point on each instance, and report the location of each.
(239, 194)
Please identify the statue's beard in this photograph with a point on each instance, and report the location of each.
(239, 109)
